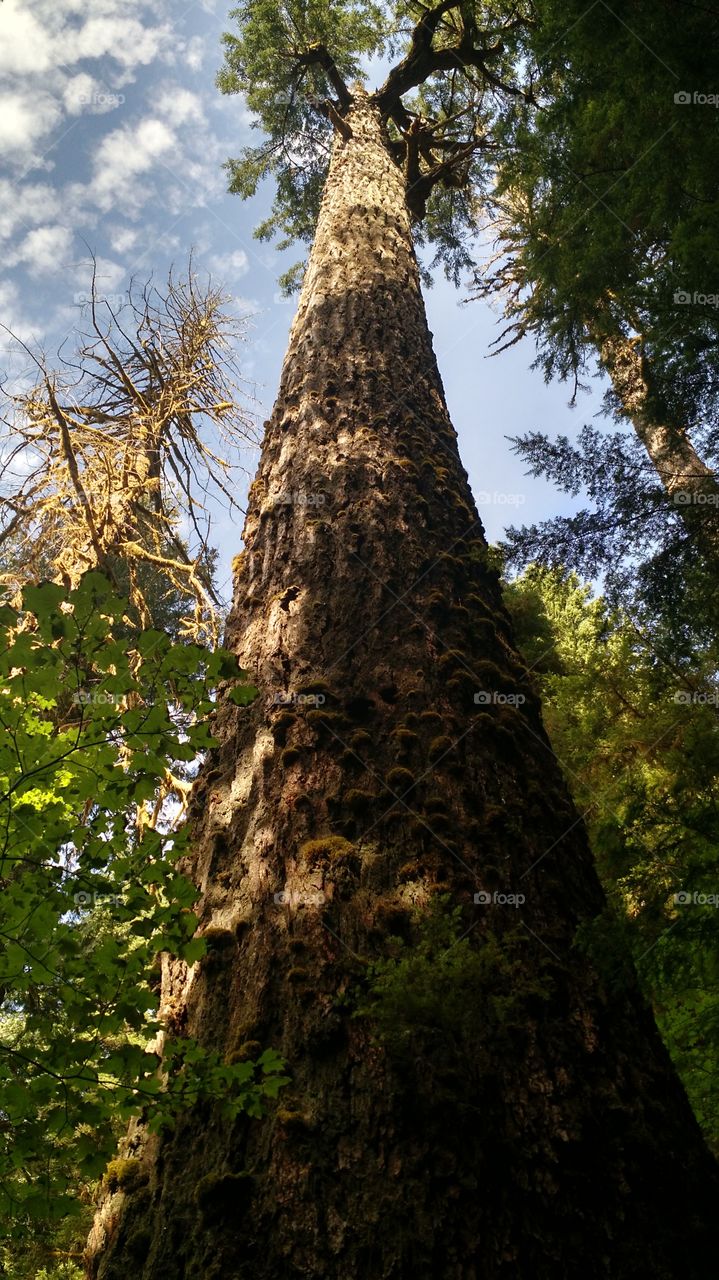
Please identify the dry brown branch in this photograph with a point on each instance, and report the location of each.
(107, 454)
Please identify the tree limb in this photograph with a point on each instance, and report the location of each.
(319, 55)
(422, 59)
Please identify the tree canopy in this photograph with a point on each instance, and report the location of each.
(453, 67)
(606, 199)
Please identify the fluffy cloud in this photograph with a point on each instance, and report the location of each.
(43, 251)
(100, 94)
(123, 239)
(16, 322)
(25, 119)
(109, 275)
(22, 207)
(179, 106)
(25, 43)
(44, 47)
(229, 266)
(194, 52)
(53, 38)
(125, 39)
(123, 156)
(84, 93)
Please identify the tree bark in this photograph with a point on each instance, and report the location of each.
(691, 486)
(531, 1128)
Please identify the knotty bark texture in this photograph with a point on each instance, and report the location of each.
(534, 1128)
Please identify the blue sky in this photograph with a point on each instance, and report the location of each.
(112, 138)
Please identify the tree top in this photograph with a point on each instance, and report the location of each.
(446, 72)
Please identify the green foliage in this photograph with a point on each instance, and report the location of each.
(295, 63)
(63, 1271)
(264, 62)
(451, 987)
(93, 727)
(638, 739)
(628, 532)
(605, 195)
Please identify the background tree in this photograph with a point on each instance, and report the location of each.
(406, 831)
(109, 463)
(110, 459)
(602, 205)
(638, 738)
(627, 535)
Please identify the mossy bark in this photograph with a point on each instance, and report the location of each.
(546, 1142)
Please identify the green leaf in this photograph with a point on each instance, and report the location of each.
(244, 694)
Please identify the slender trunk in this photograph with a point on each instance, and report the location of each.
(506, 1115)
(691, 486)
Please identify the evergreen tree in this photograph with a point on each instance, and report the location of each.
(603, 204)
(636, 734)
(384, 843)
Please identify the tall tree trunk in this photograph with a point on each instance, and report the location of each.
(691, 486)
(506, 1114)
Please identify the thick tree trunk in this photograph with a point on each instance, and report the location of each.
(518, 1119)
(691, 486)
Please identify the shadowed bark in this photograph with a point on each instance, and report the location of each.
(531, 1128)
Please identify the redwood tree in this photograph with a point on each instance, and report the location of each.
(392, 874)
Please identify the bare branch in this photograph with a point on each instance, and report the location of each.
(103, 458)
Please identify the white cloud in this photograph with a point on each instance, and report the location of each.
(23, 205)
(9, 305)
(229, 265)
(82, 93)
(43, 251)
(179, 106)
(195, 52)
(24, 43)
(45, 46)
(25, 118)
(125, 39)
(54, 39)
(78, 92)
(109, 275)
(123, 239)
(123, 157)
(124, 182)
